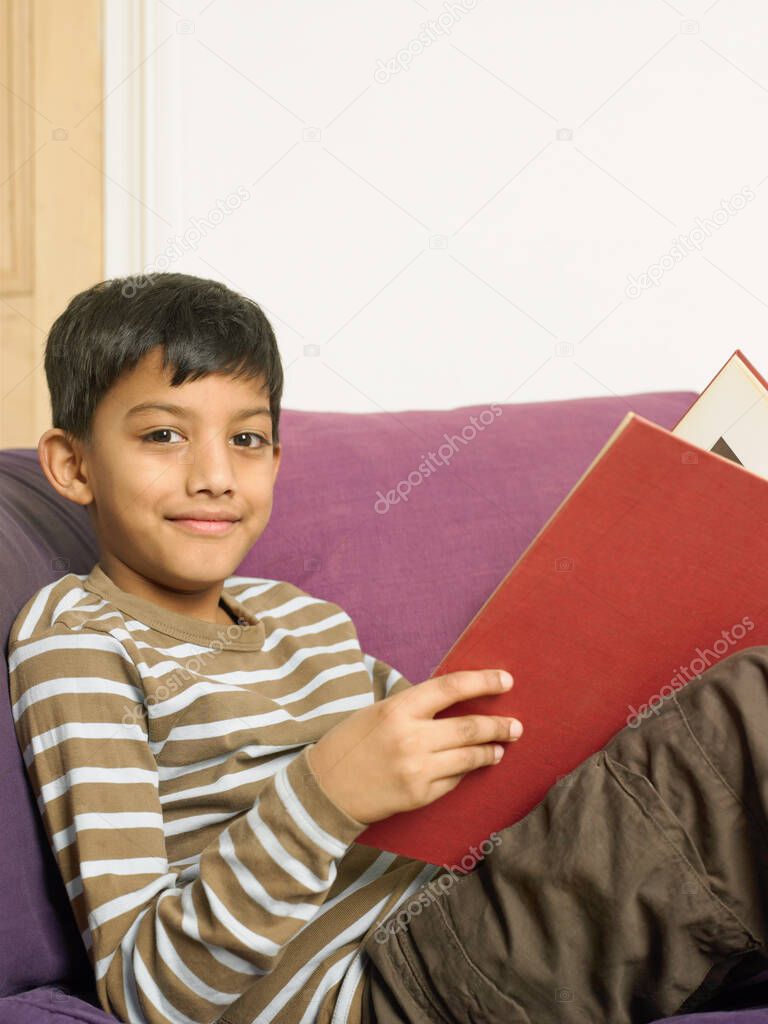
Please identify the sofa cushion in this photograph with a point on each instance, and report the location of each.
(51, 1005)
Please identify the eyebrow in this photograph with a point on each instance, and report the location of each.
(178, 410)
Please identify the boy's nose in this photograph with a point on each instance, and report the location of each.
(209, 467)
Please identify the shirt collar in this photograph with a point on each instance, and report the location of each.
(234, 636)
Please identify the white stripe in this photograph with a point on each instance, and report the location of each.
(223, 727)
(77, 776)
(254, 585)
(252, 723)
(186, 698)
(289, 607)
(355, 931)
(220, 727)
(329, 844)
(70, 602)
(328, 674)
(231, 780)
(239, 682)
(278, 634)
(187, 977)
(299, 979)
(226, 957)
(130, 991)
(126, 901)
(240, 678)
(79, 684)
(32, 618)
(122, 820)
(161, 669)
(334, 973)
(152, 993)
(336, 707)
(371, 873)
(300, 873)
(66, 642)
(195, 822)
(111, 613)
(355, 971)
(255, 588)
(249, 938)
(102, 966)
(84, 632)
(182, 649)
(252, 751)
(81, 731)
(255, 891)
(123, 866)
(194, 859)
(393, 677)
(74, 887)
(188, 649)
(189, 873)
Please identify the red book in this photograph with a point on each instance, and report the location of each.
(653, 568)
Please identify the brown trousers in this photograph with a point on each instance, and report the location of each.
(626, 895)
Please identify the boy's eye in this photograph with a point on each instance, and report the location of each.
(251, 433)
(153, 437)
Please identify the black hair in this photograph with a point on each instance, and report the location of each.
(203, 327)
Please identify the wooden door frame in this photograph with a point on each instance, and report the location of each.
(51, 88)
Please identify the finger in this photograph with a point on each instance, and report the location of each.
(441, 692)
(446, 733)
(461, 760)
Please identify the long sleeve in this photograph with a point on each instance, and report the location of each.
(166, 943)
(385, 680)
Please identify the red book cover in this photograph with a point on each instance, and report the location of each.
(653, 568)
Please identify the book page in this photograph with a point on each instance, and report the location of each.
(730, 418)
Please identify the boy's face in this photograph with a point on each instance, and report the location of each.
(147, 469)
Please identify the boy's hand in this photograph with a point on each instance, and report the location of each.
(393, 756)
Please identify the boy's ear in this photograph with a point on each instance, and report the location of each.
(62, 462)
(276, 452)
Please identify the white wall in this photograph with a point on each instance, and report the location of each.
(462, 229)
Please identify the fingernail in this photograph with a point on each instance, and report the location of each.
(498, 752)
(506, 680)
(515, 730)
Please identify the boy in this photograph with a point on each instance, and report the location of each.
(205, 748)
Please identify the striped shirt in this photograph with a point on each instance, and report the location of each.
(209, 873)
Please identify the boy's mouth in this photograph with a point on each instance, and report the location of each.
(211, 527)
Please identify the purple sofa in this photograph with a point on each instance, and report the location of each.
(408, 520)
